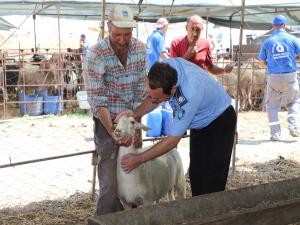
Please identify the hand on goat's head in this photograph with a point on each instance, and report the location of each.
(126, 112)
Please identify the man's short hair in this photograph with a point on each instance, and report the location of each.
(162, 75)
(192, 16)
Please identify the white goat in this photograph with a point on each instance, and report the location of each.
(153, 179)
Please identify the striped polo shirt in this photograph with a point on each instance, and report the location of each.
(108, 83)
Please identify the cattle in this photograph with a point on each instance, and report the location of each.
(73, 65)
(1, 79)
(41, 77)
(58, 76)
(73, 55)
(11, 74)
(71, 71)
(72, 75)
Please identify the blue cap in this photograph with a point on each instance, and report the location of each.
(279, 20)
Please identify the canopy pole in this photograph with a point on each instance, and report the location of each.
(238, 81)
(230, 36)
(137, 16)
(58, 24)
(207, 13)
(34, 31)
(230, 31)
(240, 48)
(95, 155)
(60, 61)
(101, 36)
(94, 160)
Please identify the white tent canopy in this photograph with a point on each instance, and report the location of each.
(258, 14)
(5, 25)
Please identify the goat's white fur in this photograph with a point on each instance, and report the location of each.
(153, 179)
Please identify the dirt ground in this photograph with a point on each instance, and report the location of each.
(59, 191)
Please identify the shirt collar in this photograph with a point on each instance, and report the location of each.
(159, 31)
(274, 32)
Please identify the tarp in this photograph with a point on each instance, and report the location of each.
(4, 25)
(258, 14)
(259, 40)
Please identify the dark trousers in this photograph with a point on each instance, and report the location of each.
(210, 153)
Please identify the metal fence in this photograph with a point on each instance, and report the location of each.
(25, 77)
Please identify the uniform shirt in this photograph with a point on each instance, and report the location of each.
(108, 83)
(280, 51)
(199, 99)
(155, 45)
(179, 47)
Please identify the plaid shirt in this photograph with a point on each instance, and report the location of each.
(108, 83)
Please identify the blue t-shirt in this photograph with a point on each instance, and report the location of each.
(280, 51)
(155, 45)
(199, 98)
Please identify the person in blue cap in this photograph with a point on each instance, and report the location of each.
(280, 53)
(156, 48)
(200, 104)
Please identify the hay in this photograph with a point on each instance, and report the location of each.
(248, 174)
(74, 210)
(77, 208)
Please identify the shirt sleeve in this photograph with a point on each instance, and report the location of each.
(173, 52)
(297, 46)
(208, 59)
(161, 44)
(262, 53)
(164, 47)
(93, 74)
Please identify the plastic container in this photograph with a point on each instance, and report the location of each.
(82, 100)
(31, 105)
(52, 104)
(233, 103)
(167, 118)
(154, 122)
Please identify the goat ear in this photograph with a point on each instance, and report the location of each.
(145, 128)
(142, 127)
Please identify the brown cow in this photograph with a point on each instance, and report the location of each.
(37, 78)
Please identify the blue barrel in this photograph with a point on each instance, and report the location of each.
(52, 104)
(31, 105)
(167, 118)
(154, 122)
